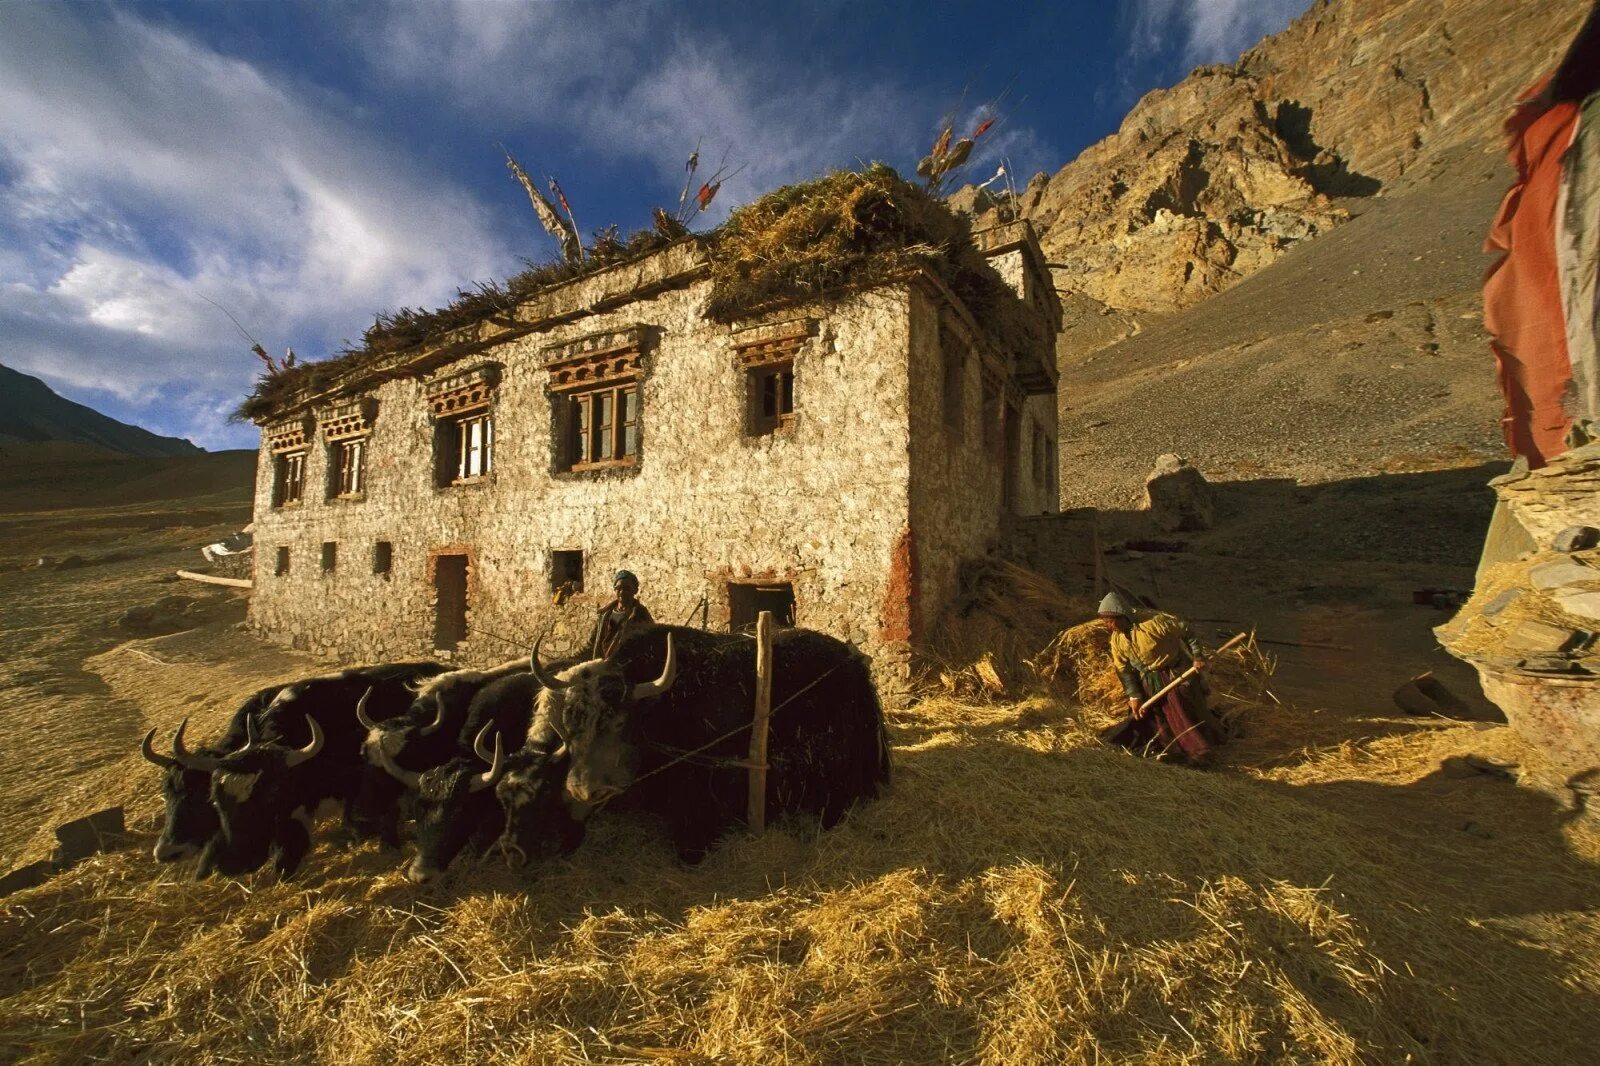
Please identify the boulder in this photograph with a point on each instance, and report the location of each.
(1178, 497)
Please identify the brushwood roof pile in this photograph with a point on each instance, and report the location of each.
(844, 231)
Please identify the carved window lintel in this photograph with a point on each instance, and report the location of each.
(464, 392)
(609, 358)
(766, 345)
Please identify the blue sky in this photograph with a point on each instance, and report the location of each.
(305, 165)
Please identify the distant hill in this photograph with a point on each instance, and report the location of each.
(30, 412)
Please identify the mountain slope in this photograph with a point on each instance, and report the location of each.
(1213, 179)
(31, 412)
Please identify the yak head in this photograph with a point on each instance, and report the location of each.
(191, 820)
(249, 789)
(540, 821)
(391, 742)
(452, 803)
(591, 708)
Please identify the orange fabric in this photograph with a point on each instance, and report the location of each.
(1522, 292)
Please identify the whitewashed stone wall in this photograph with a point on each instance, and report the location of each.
(822, 504)
(866, 504)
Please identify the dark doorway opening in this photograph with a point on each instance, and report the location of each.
(745, 602)
(450, 587)
(1013, 458)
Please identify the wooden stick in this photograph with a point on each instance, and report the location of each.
(1099, 559)
(757, 812)
(1187, 674)
(211, 579)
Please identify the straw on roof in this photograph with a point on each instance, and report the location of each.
(812, 240)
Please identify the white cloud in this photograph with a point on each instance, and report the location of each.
(1208, 31)
(141, 171)
(644, 82)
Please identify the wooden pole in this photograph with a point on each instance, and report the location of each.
(1099, 557)
(213, 579)
(1187, 674)
(757, 813)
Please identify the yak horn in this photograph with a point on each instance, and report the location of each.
(149, 751)
(478, 742)
(540, 674)
(438, 719)
(361, 711)
(310, 750)
(189, 760)
(491, 775)
(408, 778)
(669, 673)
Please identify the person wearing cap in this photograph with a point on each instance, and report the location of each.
(1148, 650)
(621, 615)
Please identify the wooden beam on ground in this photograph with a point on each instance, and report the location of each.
(757, 813)
(212, 579)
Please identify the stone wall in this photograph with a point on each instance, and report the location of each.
(822, 503)
(958, 468)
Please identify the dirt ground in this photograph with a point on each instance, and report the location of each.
(1432, 859)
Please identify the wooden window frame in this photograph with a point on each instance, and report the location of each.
(454, 435)
(774, 382)
(590, 439)
(289, 478)
(348, 480)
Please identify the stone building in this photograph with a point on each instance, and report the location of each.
(833, 462)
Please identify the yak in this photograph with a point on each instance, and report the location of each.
(666, 717)
(305, 755)
(431, 732)
(191, 820)
(454, 801)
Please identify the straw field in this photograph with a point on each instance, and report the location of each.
(1023, 894)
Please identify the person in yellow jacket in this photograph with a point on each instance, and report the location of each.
(1148, 650)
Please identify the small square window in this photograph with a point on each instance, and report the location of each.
(330, 556)
(281, 564)
(382, 557)
(288, 478)
(566, 572)
(770, 398)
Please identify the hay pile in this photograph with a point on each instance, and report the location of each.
(1077, 664)
(1024, 896)
(1000, 617)
(807, 241)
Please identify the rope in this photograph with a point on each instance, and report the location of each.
(739, 764)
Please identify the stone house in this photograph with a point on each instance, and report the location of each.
(834, 462)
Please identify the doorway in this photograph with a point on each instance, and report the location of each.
(450, 602)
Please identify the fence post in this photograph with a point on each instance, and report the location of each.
(757, 812)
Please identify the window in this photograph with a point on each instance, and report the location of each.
(281, 566)
(464, 448)
(566, 571)
(991, 414)
(289, 478)
(347, 462)
(330, 556)
(771, 398)
(600, 427)
(954, 355)
(746, 602)
(382, 558)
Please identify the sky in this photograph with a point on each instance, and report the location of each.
(169, 168)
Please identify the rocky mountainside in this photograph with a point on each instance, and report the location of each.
(31, 412)
(1209, 181)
